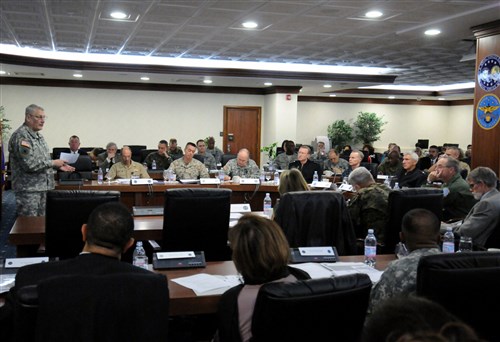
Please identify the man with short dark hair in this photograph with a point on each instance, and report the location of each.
(187, 167)
(420, 234)
(208, 158)
(391, 166)
(74, 145)
(284, 159)
(107, 235)
(334, 163)
(305, 164)
(174, 151)
(214, 150)
(161, 157)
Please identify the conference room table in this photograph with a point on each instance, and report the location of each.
(154, 195)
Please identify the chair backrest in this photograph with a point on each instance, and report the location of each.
(227, 157)
(466, 284)
(493, 240)
(402, 201)
(56, 152)
(114, 307)
(372, 167)
(316, 218)
(197, 220)
(136, 151)
(309, 310)
(199, 158)
(66, 211)
(145, 152)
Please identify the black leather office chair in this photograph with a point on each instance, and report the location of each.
(145, 152)
(402, 201)
(66, 211)
(126, 307)
(197, 220)
(466, 284)
(199, 158)
(494, 240)
(309, 310)
(372, 167)
(316, 218)
(83, 170)
(136, 151)
(227, 157)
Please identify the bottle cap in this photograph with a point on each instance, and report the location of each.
(370, 231)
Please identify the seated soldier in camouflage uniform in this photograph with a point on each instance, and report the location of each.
(208, 158)
(391, 166)
(187, 167)
(214, 150)
(369, 207)
(174, 151)
(289, 156)
(241, 166)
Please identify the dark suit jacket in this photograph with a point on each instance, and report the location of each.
(307, 169)
(83, 264)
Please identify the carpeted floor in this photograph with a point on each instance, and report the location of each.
(8, 219)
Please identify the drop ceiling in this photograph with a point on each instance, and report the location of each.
(294, 32)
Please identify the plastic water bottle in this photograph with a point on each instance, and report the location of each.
(268, 205)
(153, 165)
(448, 241)
(315, 177)
(387, 182)
(396, 186)
(100, 176)
(139, 258)
(221, 175)
(370, 248)
(276, 178)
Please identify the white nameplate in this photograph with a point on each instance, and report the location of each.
(175, 255)
(249, 181)
(316, 251)
(382, 176)
(209, 181)
(141, 181)
(240, 208)
(19, 262)
(324, 185)
(345, 187)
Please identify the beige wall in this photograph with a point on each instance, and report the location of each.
(144, 117)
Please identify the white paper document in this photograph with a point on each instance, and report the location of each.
(323, 270)
(70, 158)
(6, 282)
(204, 284)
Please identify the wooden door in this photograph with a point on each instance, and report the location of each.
(242, 130)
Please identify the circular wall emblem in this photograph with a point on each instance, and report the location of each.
(488, 111)
(488, 75)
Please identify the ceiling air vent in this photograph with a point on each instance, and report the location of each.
(28, 74)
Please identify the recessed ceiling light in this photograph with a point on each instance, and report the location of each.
(2, 72)
(118, 15)
(432, 32)
(332, 95)
(327, 86)
(441, 98)
(391, 97)
(250, 24)
(145, 78)
(268, 84)
(77, 75)
(207, 81)
(373, 14)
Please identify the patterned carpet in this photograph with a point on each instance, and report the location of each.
(8, 219)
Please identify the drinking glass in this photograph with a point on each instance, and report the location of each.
(465, 244)
(401, 250)
(108, 178)
(165, 176)
(268, 176)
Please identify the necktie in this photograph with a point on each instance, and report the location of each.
(110, 163)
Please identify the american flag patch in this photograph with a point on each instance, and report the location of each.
(25, 143)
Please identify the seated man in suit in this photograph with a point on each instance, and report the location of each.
(107, 235)
(161, 157)
(241, 166)
(127, 168)
(305, 165)
(355, 159)
(187, 167)
(74, 146)
(105, 160)
(484, 217)
(411, 176)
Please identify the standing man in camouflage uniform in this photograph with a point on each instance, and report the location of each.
(187, 167)
(241, 166)
(32, 167)
(369, 207)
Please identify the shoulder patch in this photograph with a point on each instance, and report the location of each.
(25, 143)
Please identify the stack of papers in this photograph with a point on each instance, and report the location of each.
(325, 270)
(204, 284)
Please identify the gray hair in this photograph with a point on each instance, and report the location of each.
(412, 155)
(111, 144)
(452, 163)
(360, 176)
(32, 108)
(360, 154)
(485, 175)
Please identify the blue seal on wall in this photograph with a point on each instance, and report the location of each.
(488, 111)
(488, 75)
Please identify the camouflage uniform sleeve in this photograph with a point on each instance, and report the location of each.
(203, 171)
(27, 156)
(254, 169)
(211, 162)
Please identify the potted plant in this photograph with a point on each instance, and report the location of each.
(340, 133)
(271, 153)
(367, 127)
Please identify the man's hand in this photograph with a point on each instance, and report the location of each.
(67, 168)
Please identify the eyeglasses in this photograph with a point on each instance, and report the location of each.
(40, 117)
(472, 185)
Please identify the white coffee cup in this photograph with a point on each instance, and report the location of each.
(236, 179)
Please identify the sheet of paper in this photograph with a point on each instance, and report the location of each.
(206, 284)
(6, 282)
(70, 158)
(344, 268)
(314, 269)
